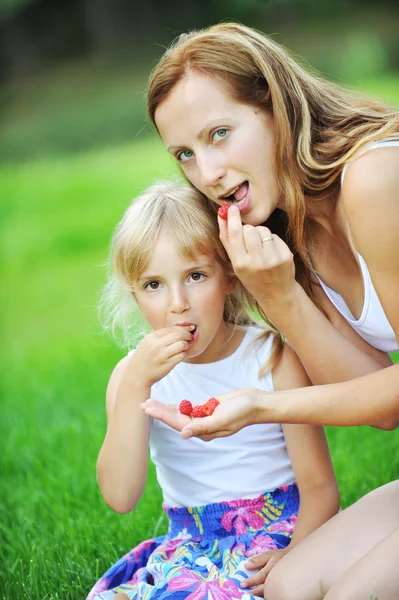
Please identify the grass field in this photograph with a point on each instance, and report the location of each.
(57, 535)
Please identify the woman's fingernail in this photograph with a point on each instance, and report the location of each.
(234, 208)
(243, 584)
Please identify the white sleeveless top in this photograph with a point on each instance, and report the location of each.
(372, 325)
(246, 464)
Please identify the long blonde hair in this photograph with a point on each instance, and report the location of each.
(180, 210)
(318, 126)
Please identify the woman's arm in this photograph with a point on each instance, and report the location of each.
(362, 401)
(332, 351)
(371, 201)
(310, 458)
(370, 198)
(329, 349)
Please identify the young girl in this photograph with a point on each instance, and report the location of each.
(230, 499)
(251, 127)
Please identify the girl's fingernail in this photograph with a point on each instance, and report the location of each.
(243, 584)
(234, 207)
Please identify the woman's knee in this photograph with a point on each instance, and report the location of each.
(278, 585)
(289, 580)
(272, 588)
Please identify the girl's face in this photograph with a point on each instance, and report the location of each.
(225, 148)
(180, 291)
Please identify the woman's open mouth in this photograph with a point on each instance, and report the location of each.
(240, 196)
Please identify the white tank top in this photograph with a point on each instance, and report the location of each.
(250, 462)
(372, 325)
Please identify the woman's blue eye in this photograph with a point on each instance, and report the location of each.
(219, 134)
(185, 155)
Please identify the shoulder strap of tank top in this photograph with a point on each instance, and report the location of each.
(377, 144)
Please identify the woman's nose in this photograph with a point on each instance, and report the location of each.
(211, 169)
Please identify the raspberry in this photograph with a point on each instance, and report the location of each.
(222, 211)
(210, 406)
(186, 408)
(198, 411)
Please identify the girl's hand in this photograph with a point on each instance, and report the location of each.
(261, 260)
(265, 562)
(236, 410)
(158, 353)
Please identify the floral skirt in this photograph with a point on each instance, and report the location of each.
(204, 552)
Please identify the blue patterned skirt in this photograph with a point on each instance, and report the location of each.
(203, 554)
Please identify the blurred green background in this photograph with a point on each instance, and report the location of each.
(74, 72)
(75, 147)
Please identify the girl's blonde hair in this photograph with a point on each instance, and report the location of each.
(180, 210)
(318, 126)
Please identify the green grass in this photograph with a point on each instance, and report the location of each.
(56, 534)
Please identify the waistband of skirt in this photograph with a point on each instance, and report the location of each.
(235, 517)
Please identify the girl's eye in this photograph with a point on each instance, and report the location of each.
(219, 134)
(197, 276)
(152, 285)
(184, 155)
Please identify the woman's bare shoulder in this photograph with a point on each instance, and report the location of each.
(374, 172)
(370, 198)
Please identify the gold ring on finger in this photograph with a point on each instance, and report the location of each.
(267, 239)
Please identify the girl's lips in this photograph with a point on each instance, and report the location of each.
(195, 336)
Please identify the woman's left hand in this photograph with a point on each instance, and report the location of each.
(236, 410)
(261, 260)
(264, 562)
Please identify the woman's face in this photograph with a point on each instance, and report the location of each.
(226, 148)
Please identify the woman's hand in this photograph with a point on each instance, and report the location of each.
(264, 562)
(261, 260)
(158, 353)
(236, 410)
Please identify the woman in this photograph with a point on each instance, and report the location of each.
(249, 126)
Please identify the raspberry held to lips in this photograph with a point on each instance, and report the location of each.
(223, 210)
